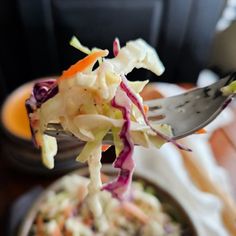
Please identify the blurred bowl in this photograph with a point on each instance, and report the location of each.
(169, 203)
(17, 146)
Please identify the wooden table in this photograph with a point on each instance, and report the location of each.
(13, 183)
(223, 142)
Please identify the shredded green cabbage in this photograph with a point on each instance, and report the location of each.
(229, 89)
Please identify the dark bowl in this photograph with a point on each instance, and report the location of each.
(22, 154)
(169, 203)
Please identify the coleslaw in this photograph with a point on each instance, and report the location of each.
(65, 212)
(90, 99)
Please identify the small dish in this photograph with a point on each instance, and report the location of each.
(17, 146)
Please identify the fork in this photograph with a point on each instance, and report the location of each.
(185, 113)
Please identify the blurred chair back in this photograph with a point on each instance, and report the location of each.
(181, 31)
(3, 91)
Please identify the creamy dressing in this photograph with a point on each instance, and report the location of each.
(93, 198)
(141, 216)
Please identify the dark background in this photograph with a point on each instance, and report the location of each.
(35, 34)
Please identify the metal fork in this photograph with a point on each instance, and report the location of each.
(185, 113)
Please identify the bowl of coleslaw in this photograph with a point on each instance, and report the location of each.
(62, 209)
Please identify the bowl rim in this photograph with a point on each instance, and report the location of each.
(26, 224)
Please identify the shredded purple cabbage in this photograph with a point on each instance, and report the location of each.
(120, 187)
(42, 91)
(132, 96)
(116, 46)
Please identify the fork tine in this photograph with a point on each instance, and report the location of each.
(156, 104)
(57, 131)
(156, 114)
(188, 112)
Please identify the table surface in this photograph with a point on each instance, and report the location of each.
(14, 183)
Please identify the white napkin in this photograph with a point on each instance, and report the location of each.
(165, 166)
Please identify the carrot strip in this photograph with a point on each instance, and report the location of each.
(61, 223)
(83, 64)
(88, 221)
(57, 232)
(135, 211)
(105, 147)
(105, 178)
(39, 226)
(146, 109)
(67, 211)
(68, 233)
(201, 131)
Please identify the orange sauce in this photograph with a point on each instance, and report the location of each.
(14, 115)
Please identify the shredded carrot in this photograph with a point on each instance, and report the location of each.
(88, 221)
(68, 233)
(105, 178)
(133, 210)
(83, 64)
(105, 147)
(39, 225)
(57, 232)
(68, 211)
(146, 109)
(61, 223)
(201, 131)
